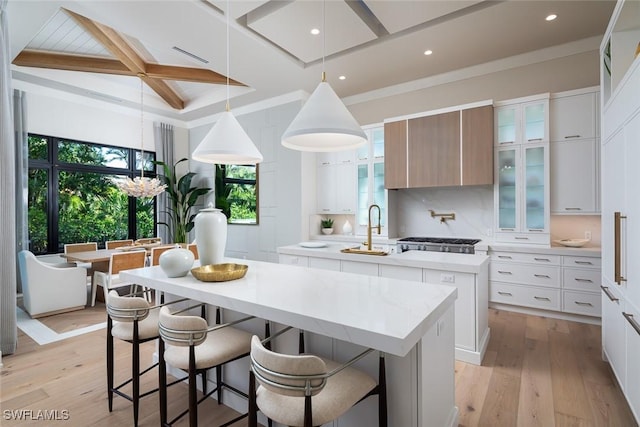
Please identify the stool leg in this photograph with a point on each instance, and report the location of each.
(382, 390)
(219, 381)
(110, 363)
(162, 383)
(193, 398)
(204, 381)
(253, 408)
(135, 374)
(301, 342)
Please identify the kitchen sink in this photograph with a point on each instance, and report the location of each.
(358, 250)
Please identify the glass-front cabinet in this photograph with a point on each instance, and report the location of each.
(522, 171)
(370, 164)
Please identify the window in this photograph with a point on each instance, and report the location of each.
(236, 190)
(72, 197)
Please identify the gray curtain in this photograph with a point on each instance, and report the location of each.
(163, 137)
(22, 172)
(8, 328)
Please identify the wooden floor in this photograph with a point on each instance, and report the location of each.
(537, 372)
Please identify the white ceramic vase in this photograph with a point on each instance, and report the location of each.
(176, 262)
(346, 228)
(211, 235)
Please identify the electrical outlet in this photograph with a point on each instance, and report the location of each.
(587, 235)
(447, 278)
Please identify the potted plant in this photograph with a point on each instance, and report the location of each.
(182, 197)
(327, 225)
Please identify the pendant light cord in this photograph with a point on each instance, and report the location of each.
(324, 38)
(141, 128)
(228, 108)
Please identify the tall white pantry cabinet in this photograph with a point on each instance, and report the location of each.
(620, 154)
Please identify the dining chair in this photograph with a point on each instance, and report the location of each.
(149, 240)
(82, 247)
(190, 344)
(132, 319)
(157, 251)
(118, 261)
(193, 248)
(305, 390)
(113, 244)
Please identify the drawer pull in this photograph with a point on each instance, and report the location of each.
(542, 298)
(504, 257)
(588, 304)
(521, 238)
(571, 136)
(577, 279)
(507, 294)
(543, 259)
(543, 276)
(504, 272)
(633, 322)
(584, 262)
(534, 139)
(608, 293)
(507, 142)
(572, 209)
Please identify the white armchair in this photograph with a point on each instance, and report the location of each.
(47, 289)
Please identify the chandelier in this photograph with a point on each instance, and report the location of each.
(141, 186)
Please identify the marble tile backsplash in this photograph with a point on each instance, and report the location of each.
(574, 227)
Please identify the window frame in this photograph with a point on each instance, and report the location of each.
(255, 182)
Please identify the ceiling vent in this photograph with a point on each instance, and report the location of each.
(189, 54)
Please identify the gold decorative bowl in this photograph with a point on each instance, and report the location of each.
(219, 272)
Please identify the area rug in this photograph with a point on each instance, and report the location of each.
(42, 334)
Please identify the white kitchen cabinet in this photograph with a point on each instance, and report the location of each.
(563, 283)
(301, 261)
(620, 130)
(359, 267)
(523, 120)
(401, 272)
(574, 152)
(336, 183)
(574, 115)
(324, 263)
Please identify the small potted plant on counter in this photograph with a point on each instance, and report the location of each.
(327, 225)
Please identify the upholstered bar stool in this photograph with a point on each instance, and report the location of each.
(306, 390)
(194, 346)
(132, 319)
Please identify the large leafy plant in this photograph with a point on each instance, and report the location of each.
(182, 197)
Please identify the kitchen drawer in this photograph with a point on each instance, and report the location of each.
(525, 274)
(582, 303)
(302, 261)
(520, 238)
(324, 263)
(542, 259)
(528, 296)
(581, 261)
(367, 268)
(581, 279)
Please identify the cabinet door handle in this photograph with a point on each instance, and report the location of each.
(587, 304)
(617, 249)
(506, 294)
(542, 298)
(508, 229)
(536, 229)
(577, 279)
(543, 259)
(534, 139)
(544, 276)
(521, 238)
(572, 209)
(571, 136)
(504, 272)
(504, 257)
(584, 262)
(633, 322)
(507, 142)
(608, 293)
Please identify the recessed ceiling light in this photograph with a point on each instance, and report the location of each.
(428, 52)
(315, 31)
(551, 17)
(342, 78)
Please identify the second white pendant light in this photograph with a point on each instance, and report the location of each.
(227, 143)
(324, 123)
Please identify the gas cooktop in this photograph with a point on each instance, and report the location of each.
(437, 244)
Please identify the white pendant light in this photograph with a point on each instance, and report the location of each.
(141, 186)
(324, 123)
(227, 143)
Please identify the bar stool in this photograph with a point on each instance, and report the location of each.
(194, 346)
(306, 390)
(130, 318)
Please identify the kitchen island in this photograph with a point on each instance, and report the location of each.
(469, 273)
(410, 322)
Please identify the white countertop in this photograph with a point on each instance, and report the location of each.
(462, 263)
(553, 250)
(386, 314)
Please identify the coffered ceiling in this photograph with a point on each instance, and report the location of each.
(373, 43)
